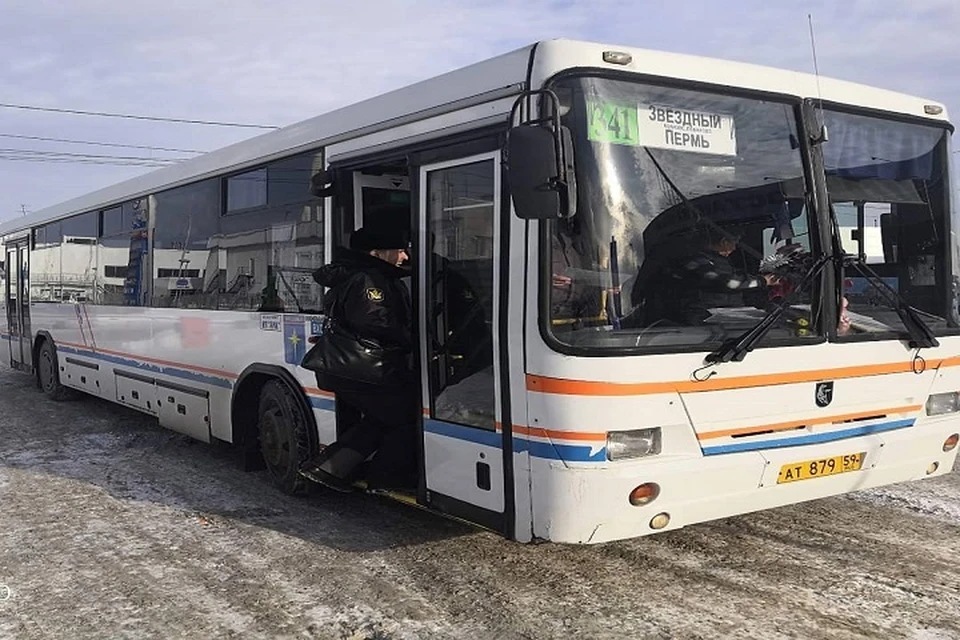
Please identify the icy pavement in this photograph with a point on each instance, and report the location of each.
(111, 527)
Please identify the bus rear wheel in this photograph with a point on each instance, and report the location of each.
(48, 373)
(282, 432)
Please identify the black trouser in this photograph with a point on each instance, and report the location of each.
(387, 426)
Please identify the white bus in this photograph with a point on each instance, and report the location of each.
(576, 194)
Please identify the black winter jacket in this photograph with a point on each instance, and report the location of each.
(373, 302)
(688, 288)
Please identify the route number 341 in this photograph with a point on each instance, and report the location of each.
(612, 123)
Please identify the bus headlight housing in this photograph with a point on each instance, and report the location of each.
(636, 443)
(941, 403)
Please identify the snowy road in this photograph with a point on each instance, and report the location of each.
(111, 527)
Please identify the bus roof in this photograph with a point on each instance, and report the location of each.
(504, 73)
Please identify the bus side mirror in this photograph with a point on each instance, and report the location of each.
(540, 172)
(321, 184)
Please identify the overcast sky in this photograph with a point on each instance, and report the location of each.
(276, 63)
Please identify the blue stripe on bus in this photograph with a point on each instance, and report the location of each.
(811, 439)
(460, 432)
(183, 374)
(564, 452)
(4, 336)
(549, 451)
(319, 402)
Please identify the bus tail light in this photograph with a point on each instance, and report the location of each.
(638, 443)
(941, 403)
(951, 443)
(644, 494)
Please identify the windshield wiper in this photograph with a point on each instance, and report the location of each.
(737, 348)
(921, 337)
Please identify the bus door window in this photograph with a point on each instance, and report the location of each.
(13, 284)
(460, 206)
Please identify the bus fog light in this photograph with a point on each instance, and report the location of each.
(637, 443)
(950, 443)
(933, 467)
(941, 403)
(644, 494)
(659, 521)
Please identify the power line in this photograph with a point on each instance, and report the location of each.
(88, 155)
(99, 144)
(105, 114)
(31, 155)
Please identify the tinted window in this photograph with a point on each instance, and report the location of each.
(123, 241)
(267, 258)
(289, 180)
(186, 240)
(280, 182)
(267, 255)
(247, 190)
(64, 260)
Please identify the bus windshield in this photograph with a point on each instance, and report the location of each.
(686, 200)
(887, 183)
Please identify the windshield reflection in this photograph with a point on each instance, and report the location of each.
(699, 197)
(887, 184)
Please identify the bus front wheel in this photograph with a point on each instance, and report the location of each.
(282, 432)
(48, 373)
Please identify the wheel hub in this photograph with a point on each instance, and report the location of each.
(46, 371)
(272, 443)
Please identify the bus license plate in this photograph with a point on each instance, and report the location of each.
(818, 468)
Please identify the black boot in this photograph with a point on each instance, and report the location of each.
(333, 468)
(312, 471)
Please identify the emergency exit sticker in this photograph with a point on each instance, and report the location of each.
(612, 123)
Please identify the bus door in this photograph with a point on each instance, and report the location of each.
(463, 448)
(18, 304)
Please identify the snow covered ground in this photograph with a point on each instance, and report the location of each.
(111, 527)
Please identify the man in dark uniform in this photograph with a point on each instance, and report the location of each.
(368, 299)
(691, 282)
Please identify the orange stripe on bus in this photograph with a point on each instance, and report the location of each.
(793, 424)
(552, 434)
(313, 391)
(561, 386)
(180, 365)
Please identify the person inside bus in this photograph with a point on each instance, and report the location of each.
(574, 301)
(468, 334)
(368, 298)
(686, 285)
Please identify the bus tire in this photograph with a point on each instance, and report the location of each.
(48, 374)
(282, 434)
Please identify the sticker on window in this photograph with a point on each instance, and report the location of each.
(686, 130)
(612, 123)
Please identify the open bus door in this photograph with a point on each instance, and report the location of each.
(463, 452)
(17, 296)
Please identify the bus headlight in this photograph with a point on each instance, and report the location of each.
(941, 403)
(636, 443)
